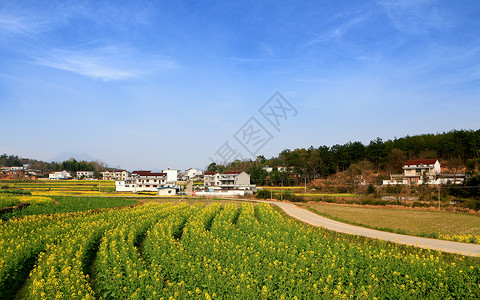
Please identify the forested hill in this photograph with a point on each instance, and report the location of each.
(71, 165)
(455, 147)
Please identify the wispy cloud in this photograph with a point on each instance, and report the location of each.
(104, 63)
(27, 31)
(417, 16)
(18, 24)
(337, 32)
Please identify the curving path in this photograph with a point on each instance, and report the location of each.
(316, 220)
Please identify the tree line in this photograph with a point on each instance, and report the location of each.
(70, 165)
(460, 147)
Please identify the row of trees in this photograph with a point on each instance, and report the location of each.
(457, 146)
(70, 165)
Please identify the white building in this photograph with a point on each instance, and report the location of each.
(60, 175)
(228, 180)
(84, 174)
(115, 175)
(142, 181)
(211, 179)
(419, 170)
(192, 173)
(167, 191)
(219, 192)
(416, 170)
(172, 176)
(268, 169)
(14, 168)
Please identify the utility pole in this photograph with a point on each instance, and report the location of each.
(281, 192)
(305, 184)
(438, 197)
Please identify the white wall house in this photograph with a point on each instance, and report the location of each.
(167, 191)
(84, 174)
(211, 179)
(219, 192)
(60, 175)
(172, 176)
(268, 169)
(115, 175)
(417, 170)
(142, 181)
(227, 180)
(192, 173)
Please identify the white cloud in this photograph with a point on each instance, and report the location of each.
(337, 32)
(417, 16)
(26, 31)
(104, 63)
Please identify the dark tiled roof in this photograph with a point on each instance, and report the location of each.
(420, 162)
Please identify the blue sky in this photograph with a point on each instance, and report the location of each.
(151, 85)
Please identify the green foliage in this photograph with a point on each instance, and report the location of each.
(386, 155)
(470, 189)
(371, 189)
(10, 161)
(394, 189)
(190, 252)
(258, 176)
(65, 204)
(288, 196)
(8, 201)
(15, 192)
(263, 194)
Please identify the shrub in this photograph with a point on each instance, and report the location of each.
(262, 194)
(371, 189)
(394, 189)
(16, 192)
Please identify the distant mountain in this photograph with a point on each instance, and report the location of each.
(77, 156)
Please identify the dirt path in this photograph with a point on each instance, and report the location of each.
(316, 220)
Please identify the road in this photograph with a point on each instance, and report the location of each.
(316, 220)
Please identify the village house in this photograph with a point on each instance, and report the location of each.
(115, 175)
(84, 174)
(423, 171)
(142, 181)
(167, 191)
(60, 175)
(227, 180)
(192, 173)
(172, 176)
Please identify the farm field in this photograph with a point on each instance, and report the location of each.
(300, 191)
(216, 251)
(56, 204)
(89, 188)
(444, 225)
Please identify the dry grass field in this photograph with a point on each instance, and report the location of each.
(412, 221)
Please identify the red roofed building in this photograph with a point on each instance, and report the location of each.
(418, 169)
(142, 181)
